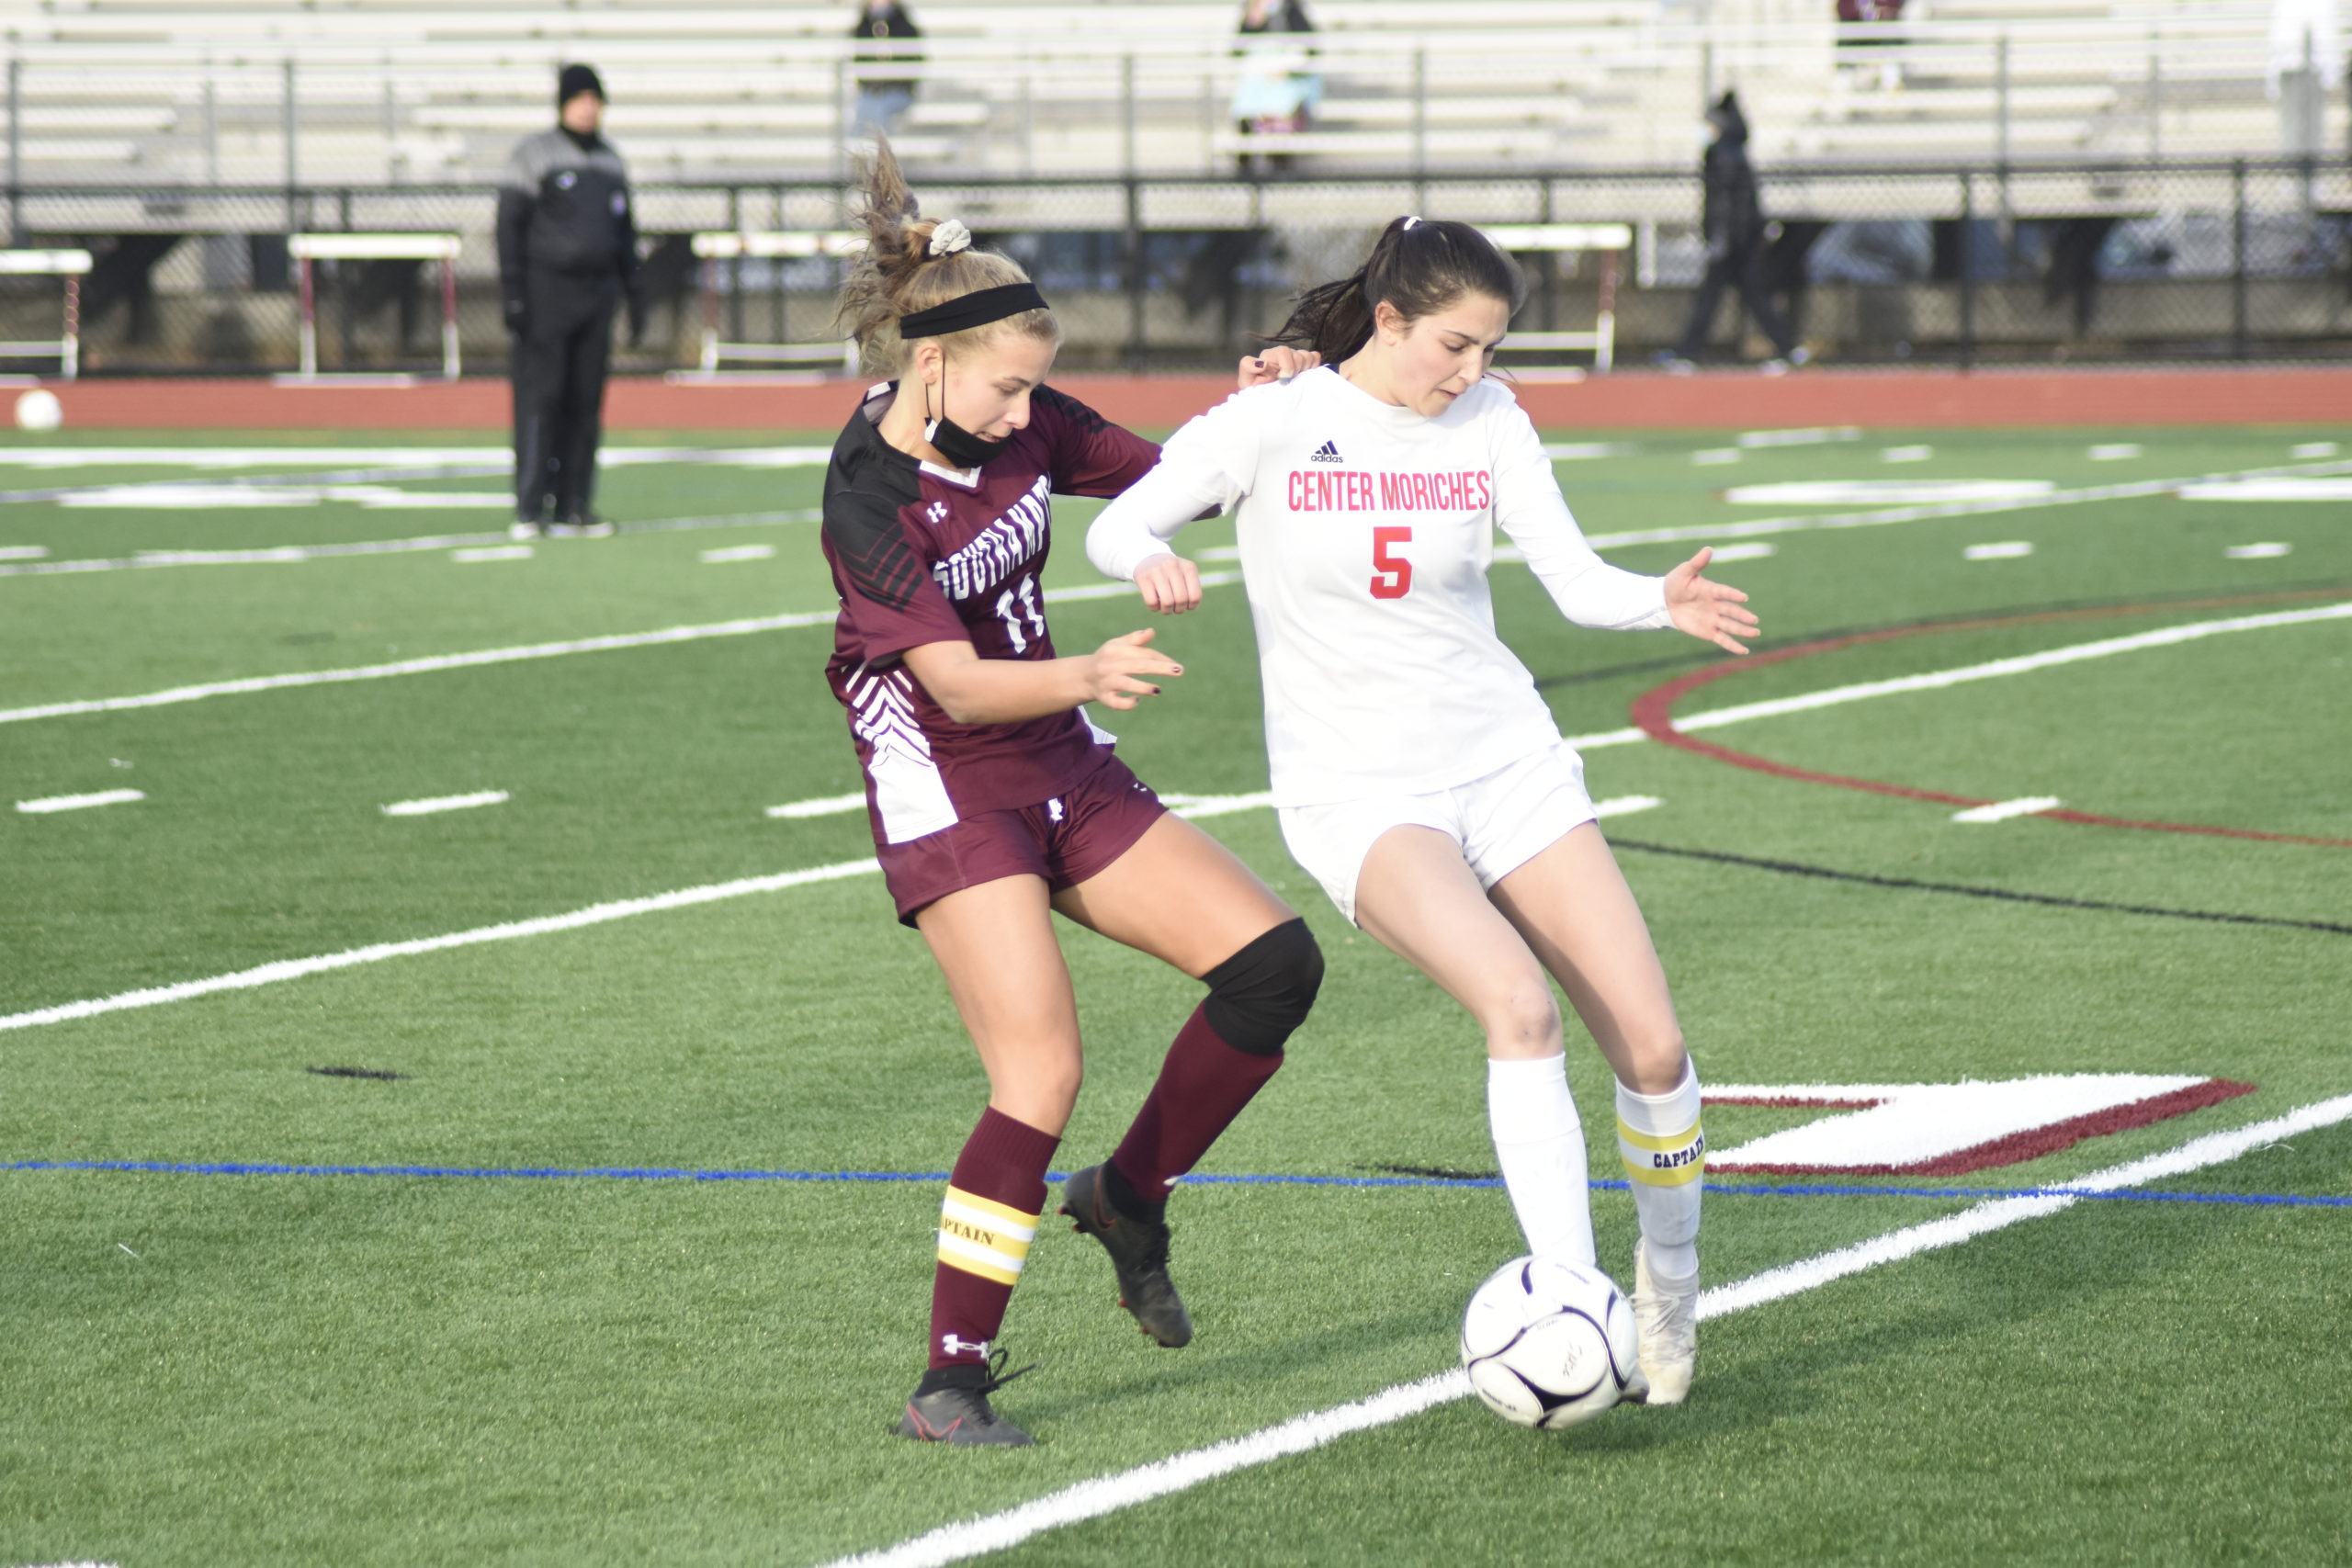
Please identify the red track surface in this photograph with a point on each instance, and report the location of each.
(1653, 714)
(1892, 400)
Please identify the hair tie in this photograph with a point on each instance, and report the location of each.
(949, 237)
(1409, 224)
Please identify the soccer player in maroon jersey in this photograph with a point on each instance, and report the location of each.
(995, 800)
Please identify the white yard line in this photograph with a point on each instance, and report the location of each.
(1818, 437)
(287, 554)
(2115, 452)
(1112, 1493)
(823, 805)
(2105, 648)
(1885, 516)
(510, 655)
(377, 952)
(80, 802)
(479, 553)
(2007, 549)
(445, 803)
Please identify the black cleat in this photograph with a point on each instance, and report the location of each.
(951, 1406)
(1138, 1250)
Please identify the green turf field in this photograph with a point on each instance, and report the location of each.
(468, 1357)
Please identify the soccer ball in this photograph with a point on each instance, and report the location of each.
(39, 409)
(1549, 1344)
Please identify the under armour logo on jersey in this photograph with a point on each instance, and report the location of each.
(936, 512)
(1054, 809)
(949, 1344)
(1328, 453)
(566, 180)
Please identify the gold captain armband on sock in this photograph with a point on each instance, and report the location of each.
(1674, 1159)
(982, 1236)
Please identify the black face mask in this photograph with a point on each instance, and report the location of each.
(955, 443)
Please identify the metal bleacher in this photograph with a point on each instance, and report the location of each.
(374, 92)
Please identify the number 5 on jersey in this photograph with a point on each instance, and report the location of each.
(1392, 574)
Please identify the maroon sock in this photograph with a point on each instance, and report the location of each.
(1203, 1085)
(990, 1217)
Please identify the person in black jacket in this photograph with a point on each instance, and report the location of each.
(881, 99)
(1732, 220)
(567, 261)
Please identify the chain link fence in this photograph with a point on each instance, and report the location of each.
(2036, 263)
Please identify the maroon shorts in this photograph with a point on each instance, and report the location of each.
(1065, 839)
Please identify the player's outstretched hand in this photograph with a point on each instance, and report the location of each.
(1279, 363)
(1120, 667)
(1712, 612)
(1170, 585)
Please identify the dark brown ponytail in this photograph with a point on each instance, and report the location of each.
(1418, 265)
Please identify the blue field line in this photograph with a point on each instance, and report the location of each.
(681, 1173)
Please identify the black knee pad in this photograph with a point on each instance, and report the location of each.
(1261, 993)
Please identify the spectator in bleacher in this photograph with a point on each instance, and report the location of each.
(2306, 64)
(1865, 24)
(567, 263)
(1732, 220)
(880, 101)
(1276, 92)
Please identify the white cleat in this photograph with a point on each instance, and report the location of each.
(1667, 1313)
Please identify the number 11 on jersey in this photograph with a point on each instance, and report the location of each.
(1392, 574)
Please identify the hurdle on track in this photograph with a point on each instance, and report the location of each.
(71, 266)
(307, 249)
(1610, 239)
(719, 246)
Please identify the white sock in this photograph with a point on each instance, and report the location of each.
(1539, 1142)
(1665, 1151)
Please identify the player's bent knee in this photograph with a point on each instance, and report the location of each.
(1263, 992)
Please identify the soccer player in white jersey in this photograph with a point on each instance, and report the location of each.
(1419, 776)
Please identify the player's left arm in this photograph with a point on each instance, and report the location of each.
(1529, 508)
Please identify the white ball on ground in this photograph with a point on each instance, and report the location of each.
(1549, 1344)
(39, 409)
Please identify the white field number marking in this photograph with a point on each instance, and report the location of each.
(2115, 452)
(2002, 810)
(445, 803)
(2313, 449)
(1906, 454)
(2005, 550)
(80, 802)
(1911, 1124)
(1109, 1493)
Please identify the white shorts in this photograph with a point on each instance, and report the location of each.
(1501, 822)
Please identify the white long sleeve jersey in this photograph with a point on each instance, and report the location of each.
(1366, 531)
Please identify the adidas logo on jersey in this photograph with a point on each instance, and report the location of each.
(1328, 453)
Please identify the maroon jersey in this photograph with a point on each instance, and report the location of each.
(922, 554)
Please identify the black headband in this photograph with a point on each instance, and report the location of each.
(977, 308)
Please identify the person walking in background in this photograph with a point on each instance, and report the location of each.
(1733, 222)
(881, 102)
(1276, 94)
(567, 261)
